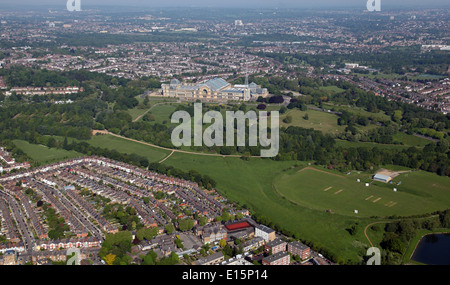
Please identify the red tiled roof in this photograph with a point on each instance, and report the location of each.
(237, 226)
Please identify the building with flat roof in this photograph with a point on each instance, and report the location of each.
(265, 232)
(275, 246)
(382, 178)
(297, 248)
(216, 89)
(280, 258)
(212, 259)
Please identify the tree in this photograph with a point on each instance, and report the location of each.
(170, 228)
(225, 216)
(392, 242)
(203, 221)
(222, 243)
(110, 258)
(445, 219)
(146, 233)
(353, 229)
(287, 120)
(261, 107)
(148, 260)
(185, 224)
(65, 144)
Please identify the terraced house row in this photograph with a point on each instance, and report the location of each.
(52, 196)
(8, 226)
(39, 228)
(82, 203)
(138, 179)
(61, 185)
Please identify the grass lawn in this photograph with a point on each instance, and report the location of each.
(419, 192)
(43, 154)
(296, 200)
(251, 184)
(163, 112)
(411, 140)
(348, 144)
(357, 110)
(332, 89)
(161, 109)
(125, 146)
(321, 121)
(432, 189)
(137, 111)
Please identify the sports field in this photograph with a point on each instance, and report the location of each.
(419, 192)
(297, 197)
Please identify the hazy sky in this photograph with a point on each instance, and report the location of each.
(236, 3)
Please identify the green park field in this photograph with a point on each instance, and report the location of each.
(419, 192)
(44, 154)
(297, 200)
(316, 204)
(129, 147)
(317, 120)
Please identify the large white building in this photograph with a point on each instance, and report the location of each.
(264, 232)
(215, 89)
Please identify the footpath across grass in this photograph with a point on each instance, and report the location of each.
(129, 147)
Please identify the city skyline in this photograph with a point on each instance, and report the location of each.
(235, 4)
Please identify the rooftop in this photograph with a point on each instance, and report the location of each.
(381, 177)
(216, 84)
(265, 229)
(276, 256)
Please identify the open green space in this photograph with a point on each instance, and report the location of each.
(419, 192)
(356, 110)
(252, 184)
(44, 154)
(320, 121)
(332, 89)
(348, 144)
(411, 140)
(124, 146)
(161, 113)
(297, 201)
(161, 109)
